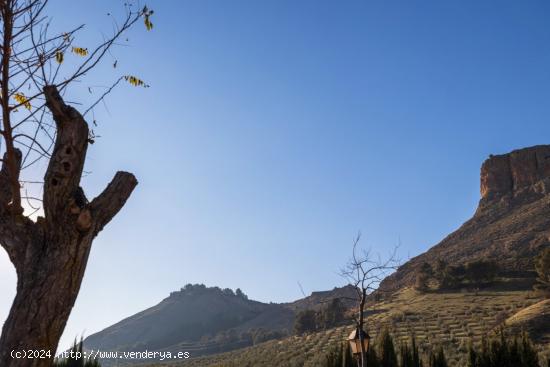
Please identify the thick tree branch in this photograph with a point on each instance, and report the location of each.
(62, 178)
(104, 207)
(6, 189)
(15, 230)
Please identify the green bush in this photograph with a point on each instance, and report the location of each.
(423, 276)
(542, 266)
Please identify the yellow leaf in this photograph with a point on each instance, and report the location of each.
(21, 99)
(136, 82)
(80, 51)
(147, 18)
(59, 56)
(147, 22)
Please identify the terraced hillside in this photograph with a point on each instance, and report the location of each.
(451, 319)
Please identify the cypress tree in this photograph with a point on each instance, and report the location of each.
(498, 354)
(372, 358)
(388, 357)
(484, 359)
(514, 353)
(441, 359)
(406, 356)
(348, 360)
(529, 357)
(504, 353)
(73, 361)
(438, 359)
(472, 356)
(432, 361)
(417, 362)
(334, 357)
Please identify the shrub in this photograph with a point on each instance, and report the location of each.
(423, 276)
(305, 322)
(542, 266)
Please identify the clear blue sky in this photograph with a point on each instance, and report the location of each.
(274, 130)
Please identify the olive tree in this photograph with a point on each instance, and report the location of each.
(365, 271)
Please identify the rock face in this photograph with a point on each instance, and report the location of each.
(512, 172)
(511, 224)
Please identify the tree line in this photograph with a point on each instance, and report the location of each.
(504, 352)
(384, 353)
(308, 321)
(475, 273)
(498, 351)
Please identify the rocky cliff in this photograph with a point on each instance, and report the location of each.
(512, 173)
(511, 224)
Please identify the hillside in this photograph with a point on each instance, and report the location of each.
(206, 321)
(189, 315)
(450, 319)
(534, 319)
(511, 224)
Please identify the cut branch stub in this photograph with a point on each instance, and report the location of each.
(6, 191)
(15, 229)
(112, 199)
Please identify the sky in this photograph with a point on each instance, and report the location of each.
(274, 131)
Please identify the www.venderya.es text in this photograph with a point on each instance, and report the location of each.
(98, 354)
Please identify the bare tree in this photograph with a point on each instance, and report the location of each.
(50, 252)
(365, 271)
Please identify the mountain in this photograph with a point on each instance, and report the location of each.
(205, 321)
(511, 224)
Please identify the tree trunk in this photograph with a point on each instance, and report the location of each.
(361, 323)
(50, 255)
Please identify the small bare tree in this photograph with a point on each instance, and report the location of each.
(50, 252)
(365, 271)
